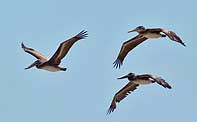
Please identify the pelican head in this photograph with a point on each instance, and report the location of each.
(36, 63)
(130, 75)
(138, 29)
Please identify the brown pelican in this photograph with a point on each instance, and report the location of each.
(52, 64)
(144, 34)
(134, 82)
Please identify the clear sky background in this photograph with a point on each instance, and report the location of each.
(84, 92)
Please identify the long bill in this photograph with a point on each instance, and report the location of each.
(131, 30)
(126, 76)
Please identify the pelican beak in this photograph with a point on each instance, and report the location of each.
(132, 30)
(32, 65)
(126, 76)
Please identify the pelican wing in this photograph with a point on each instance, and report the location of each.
(126, 47)
(121, 95)
(156, 79)
(172, 35)
(161, 82)
(33, 52)
(65, 47)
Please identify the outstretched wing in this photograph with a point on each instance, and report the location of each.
(121, 95)
(65, 47)
(33, 52)
(126, 47)
(156, 79)
(162, 82)
(172, 35)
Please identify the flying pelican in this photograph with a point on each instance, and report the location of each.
(134, 82)
(143, 34)
(53, 63)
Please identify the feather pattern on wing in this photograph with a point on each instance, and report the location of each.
(34, 53)
(156, 79)
(65, 47)
(162, 82)
(172, 35)
(121, 95)
(126, 47)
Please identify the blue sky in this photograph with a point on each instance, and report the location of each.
(84, 92)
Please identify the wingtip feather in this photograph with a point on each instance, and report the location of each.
(111, 109)
(22, 45)
(183, 44)
(117, 63)
(83, 34)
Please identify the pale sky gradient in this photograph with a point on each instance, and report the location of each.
(84, 92)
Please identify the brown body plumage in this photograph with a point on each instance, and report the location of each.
(143, 34)
(134, 82)
(53, 63)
